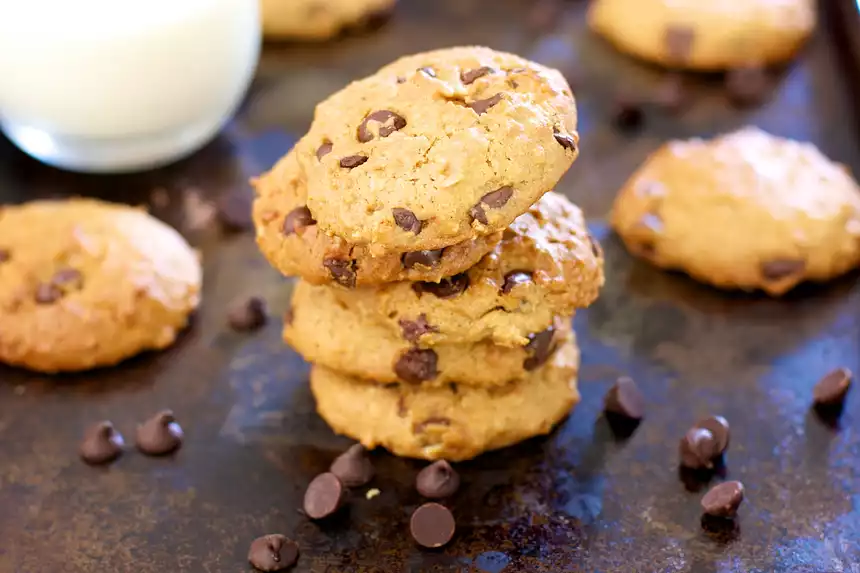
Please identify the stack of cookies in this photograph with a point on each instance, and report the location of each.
(439, 272)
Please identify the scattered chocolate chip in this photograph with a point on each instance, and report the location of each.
(342, 271)
(437, 480)
(625, 399)
(353, 467)
(101, 444)
(540, 348)
(273, 553)
(5, 255)
(432, 525)
(678, 41)
(406, 220)
(723, 500)
(627, 115)
(698, 448)
(494, 200)
(47, 293)
(670, 94)
(297, 220)
(233, 210)
(159, 435)
(68, 279)
(247, 314)
(324, 149)
(779, 269)
(566, 141)
(423, 258)
(719, 428)
(832, 388)
(482, 105)
(446, 288)
(428, 71)
(388, 121)
(416, 365)
(413, 330)
(353, 161)
(596, 250)
(747, 86)
(469, 76)
(324, 496)
(515, 278)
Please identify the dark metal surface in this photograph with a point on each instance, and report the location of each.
(576, 501)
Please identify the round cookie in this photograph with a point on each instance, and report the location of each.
(318, 19)
(438, 148)
(292, 242)
(705, 35)
(746, 210)
(85, 284)
(452, 423)
(324, 331)
(546, 265)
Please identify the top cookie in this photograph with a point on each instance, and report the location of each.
(438, 148)
(289, 237)
(746, 210)
(705, 35)
(86, 284)
(318, 19)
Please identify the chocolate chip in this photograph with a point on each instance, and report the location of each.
(413, 330)
(388, 121)
(627, 115)
(416, 365)
(494, 200)
(47, 293)
(233, 210)
(324, 496)
(719, 428)
(515, 278)
(566, 141)
(353, 161)
(297, 220)
(437, 480)
(446, 288)
(723, 500)
(779, 269)
(324, 149)
(342, 271)
(670, 94)
(540, 348)
(406, 220)
(469, 76)
(353, 467)
(747, 86)
(698, 448)
(159, 435)
(625, 399)
(423, 258)
(273, 553)
(101, 444)
(482, 105)
(247, 314)
(68, 279)
(428, 71)
(832, 388)
(595, 247)
(678, 41)
(432, 525)
(5, 255)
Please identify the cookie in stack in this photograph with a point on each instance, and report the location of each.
(439, 274)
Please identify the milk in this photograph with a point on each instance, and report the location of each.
(116, 85)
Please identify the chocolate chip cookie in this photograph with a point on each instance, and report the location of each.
(326, 332)
(291, 240)
(453, 422)
(437, 148)
(319, 19)
(705, 35)
(746, 210)
(546, 265)
(85, 284)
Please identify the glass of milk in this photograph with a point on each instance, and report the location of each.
(122, 85)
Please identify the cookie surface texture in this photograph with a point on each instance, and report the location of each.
(318, 19)
(746, 210)
(438, 148)
(85, 284)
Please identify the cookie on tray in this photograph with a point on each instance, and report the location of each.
(290, 239)
(546, 265)
(454, 422)
(747, 210)
(318, 19)
(705, 35)
(324, 331)
(85, 284)
(438, 148)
